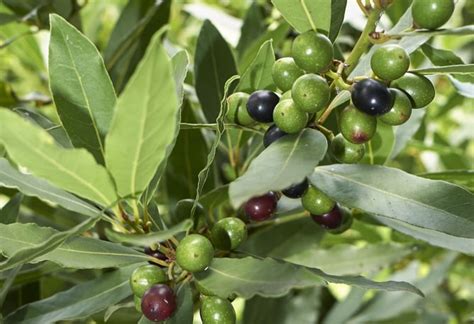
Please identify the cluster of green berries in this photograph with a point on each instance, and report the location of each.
(152, 286)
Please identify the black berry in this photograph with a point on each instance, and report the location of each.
(296, 190)
(261, 104)
(155, 254)
(371, 97)
(272, 134)
(261, 208)
(159, 303)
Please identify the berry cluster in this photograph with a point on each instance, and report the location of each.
(152, 286)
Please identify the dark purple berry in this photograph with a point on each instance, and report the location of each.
(155, 254)
(159, 303)
(261, 208)
(296, 190)
(331, 220)
(272, 134)
(261, 104)
(372, 97)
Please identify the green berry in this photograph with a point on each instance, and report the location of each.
(346, 152)
(286, 95)
(138, 303)
(237, 109)
(228, 233)
(356, 126)
(144, 277)
(419, 88)
(288, 118)
(317, 202)
(313, 52)
(285, 72)
(194, 253)
(431, 14)
(215, 310)
(390, 62)
(400, 111)
(311, 93)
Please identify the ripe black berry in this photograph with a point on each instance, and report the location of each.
(261, 208)
(296, 190)
(155, 254)
(331, 220)
(261, 105)
(272, 134)
(371, 97)
(159, 303)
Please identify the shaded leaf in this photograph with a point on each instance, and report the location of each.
(285, 162)
(149, 239)
(82, 90)
(213, 66)
(184, 309)
(404, 133)
(145, 133)
(338, 11)
(252, 27)
(74, 170)
(438, 205)
(448, 69)
(76, 252)
(78, 302)
(9, 212)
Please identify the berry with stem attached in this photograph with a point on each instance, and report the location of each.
(419, 88)
(390, 62)
(311, 93)
(371, 97)
(400, 111)
(285, 72)
(317, 202)
(288, 118)
(356, 126)
(261, 208)
(312, 52)
(194, 253)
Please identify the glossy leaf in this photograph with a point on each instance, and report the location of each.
(132, 35)
(248, 277)
(74, 170)
(213, 66)
(82, 90)
(438, 205)
(459, 244)
(258, 75)
(285, 162)
(78, 302)
(39, 188)
(149, 239)
(34, 251)
(9, 212)
(306, 15)
(76, 253)
(140, 137)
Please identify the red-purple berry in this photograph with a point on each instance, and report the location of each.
(261, 208)
(155, 254)
(159, 303)
(331, 220)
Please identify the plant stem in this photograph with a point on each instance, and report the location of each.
(281, 220)
(186, 126)
(364, 41)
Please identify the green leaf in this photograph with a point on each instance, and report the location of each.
(83, 93)
(9, 212)
(306, 15)
(343, 259)
(137, 24)
(30, 253)
(380, 146)
(78, 302)
(463, 178)
(248, 277)
(213, 65)
(149, 239)
(285, 162)
(35, 187)
(74, 170)
(338, 11)
(387, 305)
(258, 75)
(204, 173)
(435, 238)
(345, 309)
(184, 309)
(299, 306)
(253, 27)
(449, 69)
(438, 205)
(7, 284)
(145, 132)
(404, 133)
(460, 31)
(76, 252)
